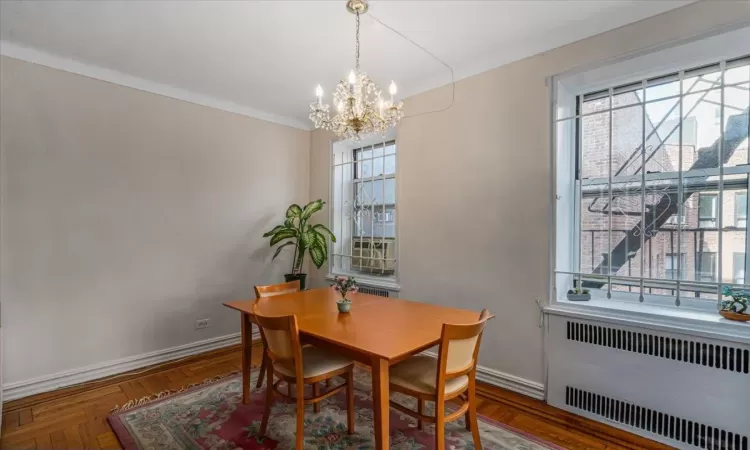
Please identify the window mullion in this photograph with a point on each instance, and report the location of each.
(384, 253)
(579, 186)
(643, 189)
(611, 199)
(747, 195)
(680, 193)
(720, 208)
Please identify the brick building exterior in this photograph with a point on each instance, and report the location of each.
(699, 239)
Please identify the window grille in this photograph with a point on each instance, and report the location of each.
(364, 209)
(661, 169)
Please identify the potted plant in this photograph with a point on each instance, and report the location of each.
(579, 295)
(344, 285)
(736, 307)
(305, 238)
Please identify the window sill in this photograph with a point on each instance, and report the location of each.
(364, 280)
(660, 318)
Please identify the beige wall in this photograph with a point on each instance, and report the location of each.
(475, 184)
(126, 216)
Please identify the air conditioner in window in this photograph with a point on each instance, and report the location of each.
(376, 255)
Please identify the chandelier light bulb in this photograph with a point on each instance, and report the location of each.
(392, 88)
(340, 105)
(319, 92)
(352, 77)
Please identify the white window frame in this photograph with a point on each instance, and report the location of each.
(721, 45)
(390, 282)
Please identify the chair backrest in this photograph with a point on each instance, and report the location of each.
(459, 348)
(280, 336)
(277, 289)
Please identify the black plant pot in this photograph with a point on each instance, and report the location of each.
(300, 276)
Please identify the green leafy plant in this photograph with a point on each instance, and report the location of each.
(578, 291)
(304, 237)
(738, 302)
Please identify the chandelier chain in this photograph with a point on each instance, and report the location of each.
(357, 43)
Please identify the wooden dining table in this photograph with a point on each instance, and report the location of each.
(378, 332)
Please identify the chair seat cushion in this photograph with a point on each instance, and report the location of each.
(315, 362)
(419, 373)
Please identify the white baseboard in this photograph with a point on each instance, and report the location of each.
(25, 388)
(510, 382)
(507, 381)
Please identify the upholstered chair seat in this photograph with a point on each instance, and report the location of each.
(419, 373)
(315, 362)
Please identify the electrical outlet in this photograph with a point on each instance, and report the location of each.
(202, 323)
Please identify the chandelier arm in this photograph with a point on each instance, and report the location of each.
(453, 77)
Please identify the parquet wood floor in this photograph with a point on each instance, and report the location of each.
(74, 418)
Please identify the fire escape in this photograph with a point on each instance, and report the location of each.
(667, 205)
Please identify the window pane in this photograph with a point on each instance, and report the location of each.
(707, 211)
(626, 240)
(377, 166)
(364, 169)
(671, 265)
(627, 140)
(595, 141)
(740, 209)
(378, 223)
(702, 108)
(595, 231)
(736, 104)
(371, 192)
(738, 268)
(705, 266)
(662, 88)
(390, 164)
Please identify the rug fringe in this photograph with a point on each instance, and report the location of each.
(149, 398)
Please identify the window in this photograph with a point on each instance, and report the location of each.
(740, 209)
(705, 266)
(738, 268)
(651, 190)
(707, 210)
(670, 265)
(364, 211)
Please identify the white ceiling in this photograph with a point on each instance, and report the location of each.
(267, 56)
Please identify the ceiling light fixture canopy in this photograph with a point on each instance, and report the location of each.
(360, 107)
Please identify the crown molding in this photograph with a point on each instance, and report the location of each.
(32, 55)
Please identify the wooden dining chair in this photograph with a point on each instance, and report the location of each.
(271, 290)
(452, 375)
(292, 363)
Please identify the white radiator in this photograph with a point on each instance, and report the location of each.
(684, 391)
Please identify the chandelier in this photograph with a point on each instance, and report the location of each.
(360, 107)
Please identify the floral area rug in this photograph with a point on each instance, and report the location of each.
(212, 416)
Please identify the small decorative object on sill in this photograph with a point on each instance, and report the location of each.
(579, 295)
(344, 285)
(305, 238)
(736, 307)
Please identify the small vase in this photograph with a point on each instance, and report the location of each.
(344, 305)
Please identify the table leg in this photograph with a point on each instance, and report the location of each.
(380, 400)
(247, 346)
